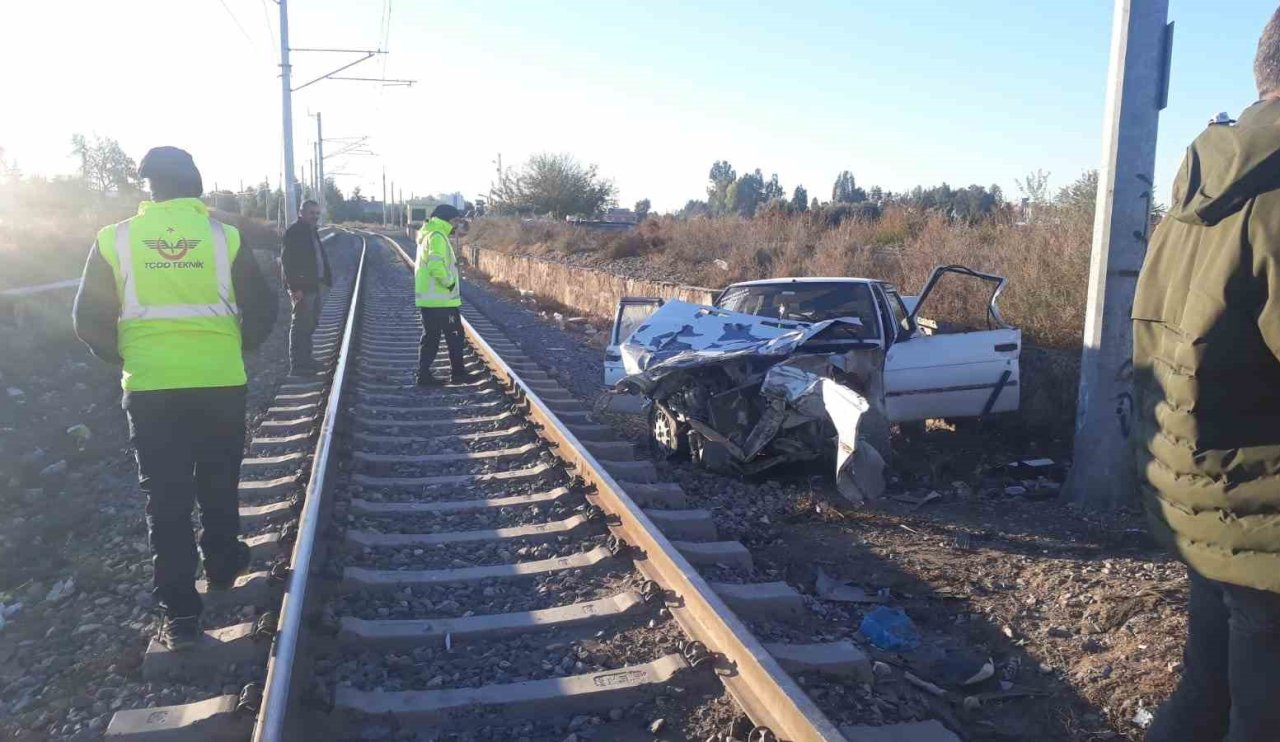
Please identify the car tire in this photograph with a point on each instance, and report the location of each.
(666, 435)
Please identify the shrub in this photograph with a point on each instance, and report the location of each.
(1046, 262)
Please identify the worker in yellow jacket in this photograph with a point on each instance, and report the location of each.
(438, 294)
(175, 297)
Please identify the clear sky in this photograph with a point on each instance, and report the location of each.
(901, 93)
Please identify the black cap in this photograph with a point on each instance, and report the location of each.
(445, 212)
(168, 163)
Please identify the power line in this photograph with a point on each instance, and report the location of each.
(271, 32)
(236, 21)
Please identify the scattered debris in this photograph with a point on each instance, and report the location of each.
(924, 685)
(917, 503)
(7, 612)
(829, 588)
(80, 434)
(721, 264)
(61, 590)
(56, 469)
(959, 668)
(890, 629)
(15, 393)
(1143, 718)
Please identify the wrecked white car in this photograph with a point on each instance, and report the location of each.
(795, 369)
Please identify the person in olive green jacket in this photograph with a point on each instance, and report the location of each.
(1206, 322)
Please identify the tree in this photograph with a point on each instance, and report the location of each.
(1035, 187)
(746, 194)
(694, 207)
(642, 209)
(772, 190)
(722, 177)
(104, 166)
(800, 200)
(778, 208)
(846, 190)
(1082, 194)
(555, 184)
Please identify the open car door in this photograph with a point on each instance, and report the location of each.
(632, 312)
(962, 373)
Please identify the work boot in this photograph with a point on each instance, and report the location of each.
(180, 633)
(226, 582)
(425, 378)
(462, 377)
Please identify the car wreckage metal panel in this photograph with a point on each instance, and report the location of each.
(682, 335)
(962, 374)
(632, 312)
(967, 374)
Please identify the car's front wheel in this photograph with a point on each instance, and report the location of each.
(666, 434)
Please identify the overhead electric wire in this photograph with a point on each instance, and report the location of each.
(271, 32)
(236, 21)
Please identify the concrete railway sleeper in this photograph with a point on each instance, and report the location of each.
(483, 561)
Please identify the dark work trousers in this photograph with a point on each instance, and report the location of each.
(306, 313)
(435, 322)
(189, 444)
(1230, 687)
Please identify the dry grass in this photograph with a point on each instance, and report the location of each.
(1046, 263)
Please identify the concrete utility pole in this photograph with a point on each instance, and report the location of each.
(384, 197)
(1102, 472)
(290, 192)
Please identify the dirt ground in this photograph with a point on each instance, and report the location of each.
(1082, 615)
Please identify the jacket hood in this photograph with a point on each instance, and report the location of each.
(436, 224)
(1227, 165)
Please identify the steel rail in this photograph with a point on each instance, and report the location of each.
(270, 724)
(766, 693)
(18, 291)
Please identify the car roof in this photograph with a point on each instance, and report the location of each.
(806, 279)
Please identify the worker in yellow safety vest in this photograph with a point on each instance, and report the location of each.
(175, 296)
(438, 293)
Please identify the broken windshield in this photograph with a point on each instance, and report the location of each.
(807, 302)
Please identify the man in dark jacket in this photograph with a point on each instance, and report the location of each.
(1206, 323)
(175, 297)
(306, 269)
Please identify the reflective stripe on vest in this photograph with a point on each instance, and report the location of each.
(133, 309)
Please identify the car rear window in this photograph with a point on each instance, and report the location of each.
(806, 302)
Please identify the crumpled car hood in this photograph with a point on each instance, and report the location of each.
(682, 335)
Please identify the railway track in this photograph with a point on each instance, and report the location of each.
(475, 561)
